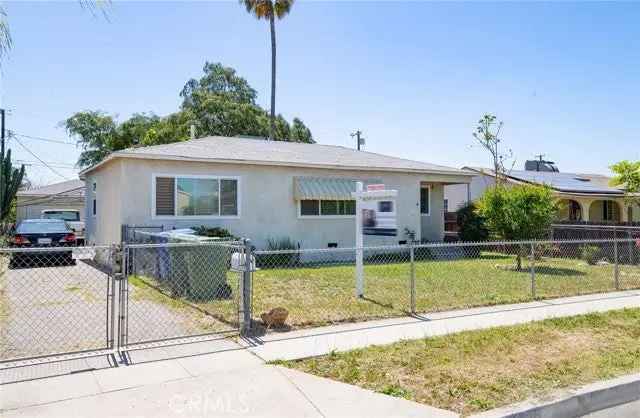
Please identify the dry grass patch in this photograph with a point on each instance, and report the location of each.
(479, 370)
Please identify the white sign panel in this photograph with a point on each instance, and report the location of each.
(379, 217)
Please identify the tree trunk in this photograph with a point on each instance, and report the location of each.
(272, 127)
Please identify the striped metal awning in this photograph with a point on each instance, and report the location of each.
(326, 188)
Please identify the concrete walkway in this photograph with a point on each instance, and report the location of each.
(230, 382)
(319, 341)
(221, 378)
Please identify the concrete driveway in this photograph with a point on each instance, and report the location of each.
(50, 308)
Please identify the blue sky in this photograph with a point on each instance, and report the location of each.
(414, 76)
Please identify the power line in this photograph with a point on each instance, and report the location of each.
(40, 138)
(53, 170)
(52, 164)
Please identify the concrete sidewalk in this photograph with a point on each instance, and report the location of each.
(233, 382)
(319, 341)
(223, 378)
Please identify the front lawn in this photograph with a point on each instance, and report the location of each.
(480, 370)
(325, 294)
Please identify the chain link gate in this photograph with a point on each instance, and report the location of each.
(55, 301)
(173, 291)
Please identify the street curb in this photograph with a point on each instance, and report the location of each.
(574, 403)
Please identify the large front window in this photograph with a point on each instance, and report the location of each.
(196, 196)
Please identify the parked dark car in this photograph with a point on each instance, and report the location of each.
(42, 233)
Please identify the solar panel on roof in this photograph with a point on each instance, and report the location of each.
(567, 182)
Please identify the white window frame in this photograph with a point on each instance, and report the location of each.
(428, 187)
(319, 215)
(175, 196)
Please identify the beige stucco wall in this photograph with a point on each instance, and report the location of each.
(458, 194)
(267, 204)
(31, 207)
(104, 228)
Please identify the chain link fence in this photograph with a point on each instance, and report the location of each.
(62, 300)
(318, 287)
(178, 290)
(55, 301)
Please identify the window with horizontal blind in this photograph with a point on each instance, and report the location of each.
(202, 196)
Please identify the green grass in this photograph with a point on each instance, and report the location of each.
(479, 370)
(220, 315)
(322, 295)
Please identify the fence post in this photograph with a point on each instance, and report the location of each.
(245, 288)
(413, 277)
(121, 277)
(533, 270)
(616, 269)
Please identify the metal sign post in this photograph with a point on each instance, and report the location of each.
(375, 215)
(359, 243)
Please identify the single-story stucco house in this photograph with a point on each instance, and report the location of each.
(260, 189)
(58, 196)
(585, 197)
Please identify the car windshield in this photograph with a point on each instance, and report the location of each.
(65, 215)
(42, 227)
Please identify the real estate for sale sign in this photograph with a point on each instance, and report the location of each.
(378, 211)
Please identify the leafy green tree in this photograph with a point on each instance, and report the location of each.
(221, 103)
(219, 116)
(471, 224)
(627, 175)
(300, 133)
(96, 133)
(220, 81)
(518, 213)
(10, 181)
(270, 10)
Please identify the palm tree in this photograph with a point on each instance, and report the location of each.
(270, 9)
(5, 35)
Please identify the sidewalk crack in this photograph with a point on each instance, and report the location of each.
(301, 391)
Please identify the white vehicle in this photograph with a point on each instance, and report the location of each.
(71, 216)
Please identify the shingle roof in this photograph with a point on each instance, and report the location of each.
(562, 182)
(70, 188)
(257, 151)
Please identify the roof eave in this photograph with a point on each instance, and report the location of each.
(83, 173)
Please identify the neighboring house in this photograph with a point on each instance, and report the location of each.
(65, 195)
(585, 197)
(260, 189)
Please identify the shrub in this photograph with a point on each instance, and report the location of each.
(471, 224)
(213, 231)
(289, 258)
(518, 213)
(591, 254)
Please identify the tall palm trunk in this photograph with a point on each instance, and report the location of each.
(272, 130)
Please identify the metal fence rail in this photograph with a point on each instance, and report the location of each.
(178, 290)
(318, 287)
(55, 301)
(62, 300)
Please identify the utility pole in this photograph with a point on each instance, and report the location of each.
(3, 132)
(360, 139)
(2, 138)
